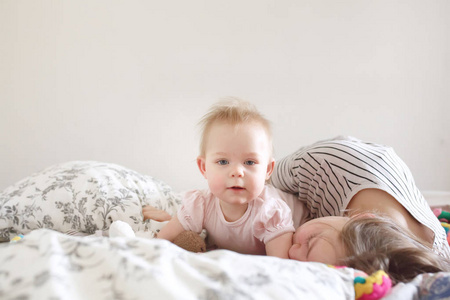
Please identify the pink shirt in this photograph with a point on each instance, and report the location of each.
(266, 218)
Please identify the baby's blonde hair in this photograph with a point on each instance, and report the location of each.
(235, 112)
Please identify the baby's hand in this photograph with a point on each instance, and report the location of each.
(153, 213)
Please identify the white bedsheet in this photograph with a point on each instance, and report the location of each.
(46, 264)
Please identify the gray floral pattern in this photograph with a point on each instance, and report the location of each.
(46, 264)
(84, 196)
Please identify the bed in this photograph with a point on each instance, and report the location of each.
(42, 258)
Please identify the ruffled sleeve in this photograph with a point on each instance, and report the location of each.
(192, 211)
(273, 220)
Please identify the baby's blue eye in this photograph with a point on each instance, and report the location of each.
(223, 162)
(250, 162)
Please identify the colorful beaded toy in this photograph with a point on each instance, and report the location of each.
(444, 218)
(372, 287)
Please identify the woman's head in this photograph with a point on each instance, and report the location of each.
(319, 240)
(369, 243)
(378, 243)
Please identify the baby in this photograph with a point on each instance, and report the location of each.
(239, 211)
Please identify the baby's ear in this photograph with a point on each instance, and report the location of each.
(270, 167)
(201, 165)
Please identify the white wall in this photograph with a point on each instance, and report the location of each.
(126, 81)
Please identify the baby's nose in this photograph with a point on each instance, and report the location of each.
(237, 171)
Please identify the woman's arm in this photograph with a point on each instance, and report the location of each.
(171, 230)
(280, 246)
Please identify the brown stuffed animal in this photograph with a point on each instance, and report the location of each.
(190, 241)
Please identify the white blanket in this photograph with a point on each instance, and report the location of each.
(46, 264)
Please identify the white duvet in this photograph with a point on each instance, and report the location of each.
(46, 264)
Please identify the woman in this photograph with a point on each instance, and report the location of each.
(367, 211)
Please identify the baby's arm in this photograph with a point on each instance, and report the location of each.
(280, 246)
(153, 213)
(171, 230)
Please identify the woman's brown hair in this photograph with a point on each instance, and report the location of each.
(377, 243)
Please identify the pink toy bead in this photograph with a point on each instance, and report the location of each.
(437, 211)
(379, 291)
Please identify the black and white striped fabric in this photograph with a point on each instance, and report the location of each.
(327, 174)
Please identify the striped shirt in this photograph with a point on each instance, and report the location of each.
(327, 174)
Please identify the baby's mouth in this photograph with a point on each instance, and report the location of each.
(236, 188)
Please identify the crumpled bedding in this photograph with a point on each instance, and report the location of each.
(46, 264)
(88, 197)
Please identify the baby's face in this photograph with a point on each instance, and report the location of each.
(237, 161)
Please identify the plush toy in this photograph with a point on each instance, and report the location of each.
(120, 229)
(190, 241)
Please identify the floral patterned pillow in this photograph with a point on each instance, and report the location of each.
(84, 196)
